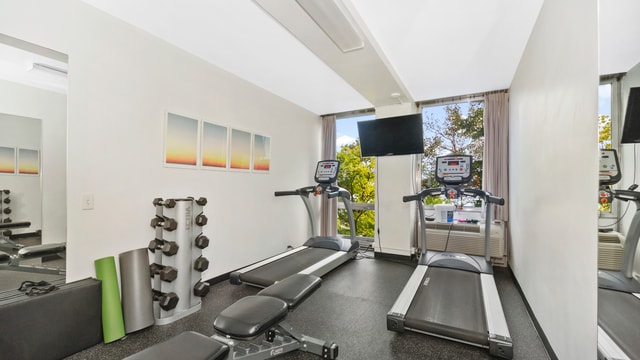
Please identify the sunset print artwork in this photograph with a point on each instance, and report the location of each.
(214, 146)
(7, 160)
(240, 154)
(261, 152)
(181, 140)
(28, 162)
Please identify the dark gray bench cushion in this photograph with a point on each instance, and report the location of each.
(4, 257)
(40, 250)
(51, 326)
(188, 345)
(293, 289)
(250, 316)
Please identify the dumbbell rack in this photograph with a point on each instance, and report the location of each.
(177, 261)
(5, 210)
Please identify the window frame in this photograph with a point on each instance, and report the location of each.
(614, 80)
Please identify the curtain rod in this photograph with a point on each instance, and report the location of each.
(616, 76)
(455, 99)
(449, 100)
(353, 113)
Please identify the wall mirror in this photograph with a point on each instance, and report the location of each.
(33, 88)
(618, 263)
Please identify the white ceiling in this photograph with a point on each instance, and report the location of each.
(414, 49)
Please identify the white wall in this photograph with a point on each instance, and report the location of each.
(553, 175)
(627, 157)
(395, 220)
(40, 201)
(121, 82)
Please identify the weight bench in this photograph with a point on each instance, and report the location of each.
(12, 262)
(244, 321)
(5, 241)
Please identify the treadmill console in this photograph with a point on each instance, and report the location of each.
(453, 169)
(327, 171)
(609, 168)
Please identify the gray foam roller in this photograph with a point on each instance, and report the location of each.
(137, 298)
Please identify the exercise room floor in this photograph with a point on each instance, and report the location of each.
(350, 309)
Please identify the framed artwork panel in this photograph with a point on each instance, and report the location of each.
(261, 153)
(181, 141)
(240, 150)
(7, 160)
(214, 146)
(28, 162)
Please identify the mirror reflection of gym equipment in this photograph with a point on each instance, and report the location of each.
(32, 199)
(618, 289)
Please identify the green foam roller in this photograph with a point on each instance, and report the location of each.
(112, 319)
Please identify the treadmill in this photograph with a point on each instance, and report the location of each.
(319, 254)
(453, 295)
(618, 291)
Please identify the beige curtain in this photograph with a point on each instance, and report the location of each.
(496, 150)
(328, 207)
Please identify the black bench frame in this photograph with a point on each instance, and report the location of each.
(12, 262)
(239, 319)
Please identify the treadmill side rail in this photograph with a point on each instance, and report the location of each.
(395, 316)
(500, 343)
(608, 349)
(324, 266)
(234, 277)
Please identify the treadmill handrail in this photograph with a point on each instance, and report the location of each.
(422, 194)
(485, 195)
(418, 198)
(332, 192)
(633, 232)
(303, 192)
(488, 198)
(335, 191)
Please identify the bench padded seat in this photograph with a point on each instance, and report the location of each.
(40, 250)
(293, 289)
(188, 345)
(4, 257)
(250, 316)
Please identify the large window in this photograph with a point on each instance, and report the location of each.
(453, 128)
(604, 116)
(605, 133)
(357, 175)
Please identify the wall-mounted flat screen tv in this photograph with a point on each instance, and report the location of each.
(398, 135)
(631, 128)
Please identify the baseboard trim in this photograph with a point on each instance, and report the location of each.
(536, 324)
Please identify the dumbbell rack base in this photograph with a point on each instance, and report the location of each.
(175, 316)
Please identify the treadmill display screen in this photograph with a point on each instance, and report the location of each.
(327, 171)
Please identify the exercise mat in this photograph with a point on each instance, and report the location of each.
(112, 320)
(137, 298)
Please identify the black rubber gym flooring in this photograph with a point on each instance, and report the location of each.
(350, 309)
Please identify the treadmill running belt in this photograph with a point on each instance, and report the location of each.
(619, 316)
(268, 274)
(449, 303)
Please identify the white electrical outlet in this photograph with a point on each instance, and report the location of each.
(87, 201)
